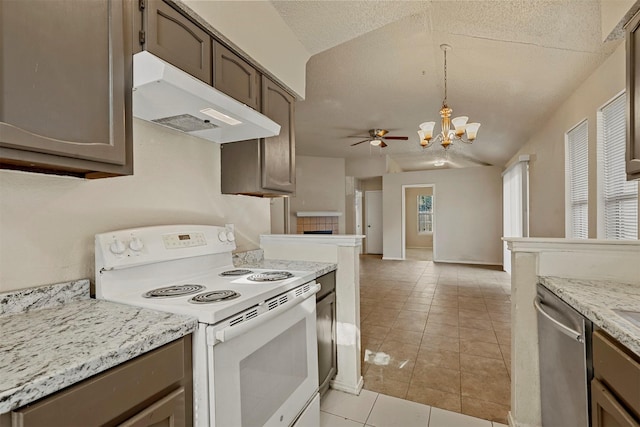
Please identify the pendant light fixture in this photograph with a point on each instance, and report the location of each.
(448, 135)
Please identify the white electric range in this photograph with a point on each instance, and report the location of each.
(255, 350)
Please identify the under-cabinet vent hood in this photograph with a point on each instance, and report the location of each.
(168, 96)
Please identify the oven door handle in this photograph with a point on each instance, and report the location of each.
(231, 332)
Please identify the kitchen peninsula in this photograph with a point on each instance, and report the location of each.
(594, 277)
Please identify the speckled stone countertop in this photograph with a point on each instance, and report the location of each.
(319, 268)
(596, 300)
(54, 336)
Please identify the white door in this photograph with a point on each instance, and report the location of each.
(373, 211)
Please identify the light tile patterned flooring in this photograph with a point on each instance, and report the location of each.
(437, 334)
(340, 409)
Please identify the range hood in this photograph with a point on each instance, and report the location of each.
(168, 96)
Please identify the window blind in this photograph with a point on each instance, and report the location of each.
(576, 170)
(619, 196)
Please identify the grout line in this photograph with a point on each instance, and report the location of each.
(372, 406)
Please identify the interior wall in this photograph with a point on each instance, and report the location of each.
(412, 238)
(48, 223)
(320, 186)
(468, 213)
(546, 147)
(367, 167)
(256, 28)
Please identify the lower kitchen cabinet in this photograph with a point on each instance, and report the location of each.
(326, 329)
(615, 389)
(154, 389)
(65, 86)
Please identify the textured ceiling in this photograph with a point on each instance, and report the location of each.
(377, 64)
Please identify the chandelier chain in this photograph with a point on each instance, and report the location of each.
(445, 78)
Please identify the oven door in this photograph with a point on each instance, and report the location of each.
(267, 375)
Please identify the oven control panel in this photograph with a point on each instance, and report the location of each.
(184, 240)
(147, 245)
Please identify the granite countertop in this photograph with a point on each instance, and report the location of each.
(54, 336)
(319, 268)
(596, 300)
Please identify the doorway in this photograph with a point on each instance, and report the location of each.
(418, 222)
(373, 221)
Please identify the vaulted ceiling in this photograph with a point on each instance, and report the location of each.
(378, 64)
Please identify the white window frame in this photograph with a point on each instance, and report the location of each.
(420, 232)
(620, 177)
(570, 233)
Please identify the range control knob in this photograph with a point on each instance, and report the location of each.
(222, 236)
(117, 247)
(136, 244)
(230, 236)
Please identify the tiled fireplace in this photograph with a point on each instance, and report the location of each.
(317, 222)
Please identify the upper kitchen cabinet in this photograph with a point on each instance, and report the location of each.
(235, 77)
(173, 37)
(633, 98)
(65, 86)
(264, 167)
(278, 160)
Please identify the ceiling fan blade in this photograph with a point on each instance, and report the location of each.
(382, 144)
(380, 132)
(401, 138)
(360, 142)
(358, 136)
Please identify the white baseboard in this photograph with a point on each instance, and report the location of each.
(348, 388)
(389, 258)
(461, 261)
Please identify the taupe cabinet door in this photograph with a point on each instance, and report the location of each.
(633, 98)
(65, 79)
(174, 38)
(278, 158)
(235, 77)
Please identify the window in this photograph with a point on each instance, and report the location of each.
(617, 197)
(425, 214)
(576, 184)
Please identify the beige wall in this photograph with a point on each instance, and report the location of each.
(366, 167)
(256, 28)
(546, 147)
(47, 223)
(320, 186)
(412, 238)
(468, 213)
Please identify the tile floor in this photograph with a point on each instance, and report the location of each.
(437, 334)
(373, 409)
(418, 254)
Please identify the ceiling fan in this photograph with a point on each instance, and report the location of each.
(377, 138)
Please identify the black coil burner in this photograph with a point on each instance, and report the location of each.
(213, 296)
(173, 291)
(270, 276)
(238, 272)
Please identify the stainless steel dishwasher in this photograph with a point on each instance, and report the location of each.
(566, 367)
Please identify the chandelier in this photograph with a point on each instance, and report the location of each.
(447, 136)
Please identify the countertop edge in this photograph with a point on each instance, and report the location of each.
(600, 313)
(170, 328)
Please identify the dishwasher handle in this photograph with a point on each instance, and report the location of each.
(559, 326)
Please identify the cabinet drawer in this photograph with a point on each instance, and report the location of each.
(114, 395)
(617, 369)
